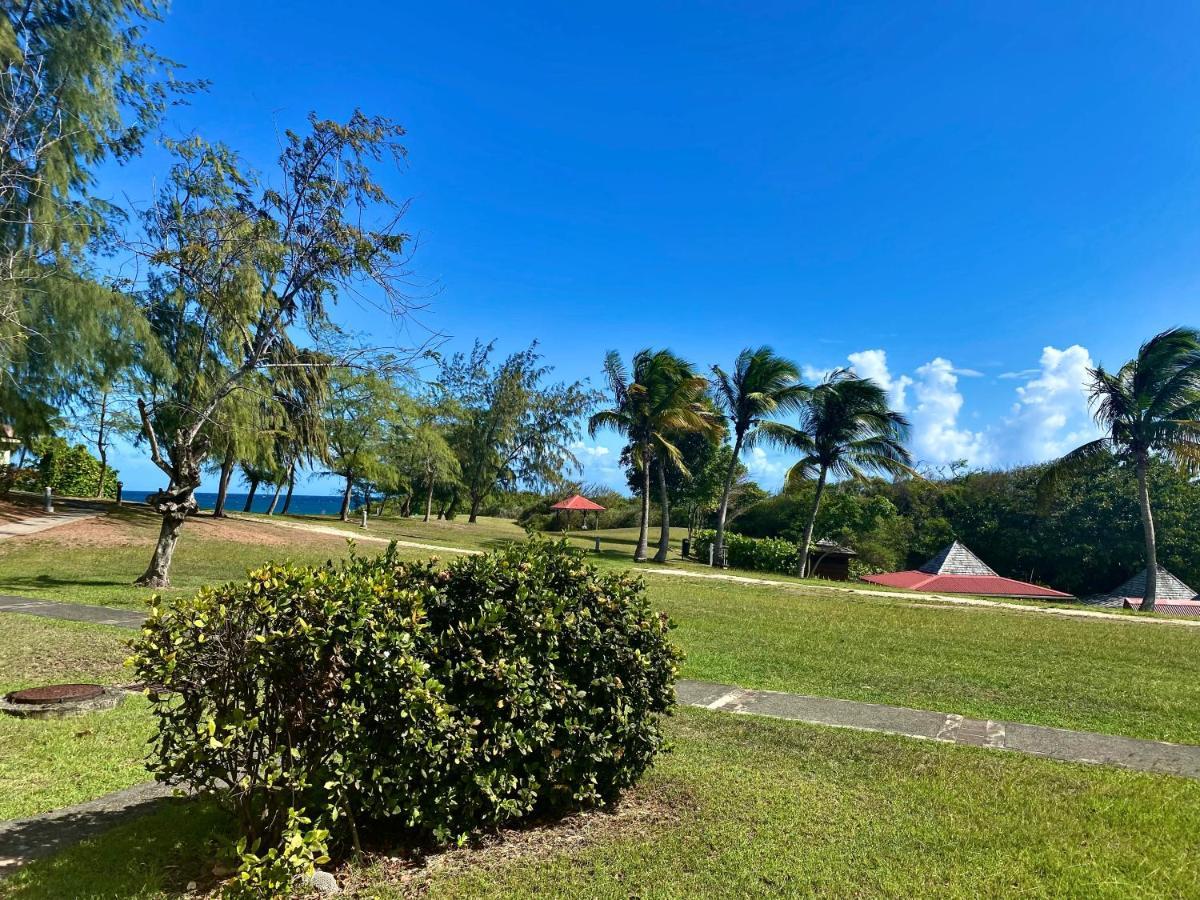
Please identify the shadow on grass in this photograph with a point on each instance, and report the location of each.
(157, 853)
(51, 581)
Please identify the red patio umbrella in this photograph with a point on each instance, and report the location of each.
(579, 502)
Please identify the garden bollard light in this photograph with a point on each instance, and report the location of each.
(48, 500)
(120, 488)
(597, 545)
(710, 554)
(364, 517)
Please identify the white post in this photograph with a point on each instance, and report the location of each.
(364, 517)
(48, 500)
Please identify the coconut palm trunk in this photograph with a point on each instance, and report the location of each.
(664, 525)
(806, 541)
(639, 555)
(723, 510)
(1143, 479)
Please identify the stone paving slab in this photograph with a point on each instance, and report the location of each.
(22, 840)
(72, 612)
(1055, 743)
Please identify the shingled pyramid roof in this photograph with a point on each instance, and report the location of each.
(956, 560)
(956, 570)
(1168, 587)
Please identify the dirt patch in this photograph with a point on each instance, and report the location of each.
(642, 811)
(142, 531)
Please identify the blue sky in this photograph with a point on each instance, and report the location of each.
(971, 202)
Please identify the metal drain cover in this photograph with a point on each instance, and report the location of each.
(56, 693)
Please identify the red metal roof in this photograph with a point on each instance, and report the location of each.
(985, 585)
(1168, 607)
(578, 502)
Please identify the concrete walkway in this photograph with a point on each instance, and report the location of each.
(22, 840)
(44, 522)
(72, 612)
(1036, 740)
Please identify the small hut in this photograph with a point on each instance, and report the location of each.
(1172, 596)
(828, 559)
(577, 502)
(956, 570)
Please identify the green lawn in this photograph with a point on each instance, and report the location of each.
(752, 807)
(97, 561)
(47, 764)
(1137, 680)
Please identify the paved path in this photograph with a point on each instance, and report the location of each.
(22, 840)
(44, 522)
(359, 536)
(1056, 743)
(72, 612)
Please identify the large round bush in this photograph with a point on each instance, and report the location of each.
(440, 700)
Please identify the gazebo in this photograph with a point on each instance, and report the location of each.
(1173, 596)
(956, 570)
(580, 503)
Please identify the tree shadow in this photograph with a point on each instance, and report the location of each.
(156, 845)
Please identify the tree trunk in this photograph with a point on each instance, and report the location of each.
(287, 500)
(250, 496)
(1143, 476)
(664, 525)
(223, 485)
(639, 555)
(102, 445)
(723, 510)
(428, 500)
(174, 506)
(345, 513)
(806, 542)
(275, 498)
(103, 472)
(476, 502)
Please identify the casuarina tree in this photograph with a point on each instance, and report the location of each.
(1149, 407)
(761, 385)
(848, 430)
(240, 266)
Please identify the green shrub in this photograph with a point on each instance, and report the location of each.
(70, 470)
(757, 554)
(441, 701)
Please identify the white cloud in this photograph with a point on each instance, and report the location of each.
(873, 364)
(595, 451)
(764, 465)
(936, 436)
(1050, 415)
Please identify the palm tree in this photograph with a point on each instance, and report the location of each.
(1149, 407)
(663, 394)
(846, 429)
(762, 385)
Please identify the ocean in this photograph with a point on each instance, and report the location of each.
(302, 504)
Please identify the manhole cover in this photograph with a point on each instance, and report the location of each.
(56, 693)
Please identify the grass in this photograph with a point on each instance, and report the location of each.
(106, 555)
(752, 807)
(986, 662)
(47, 764)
